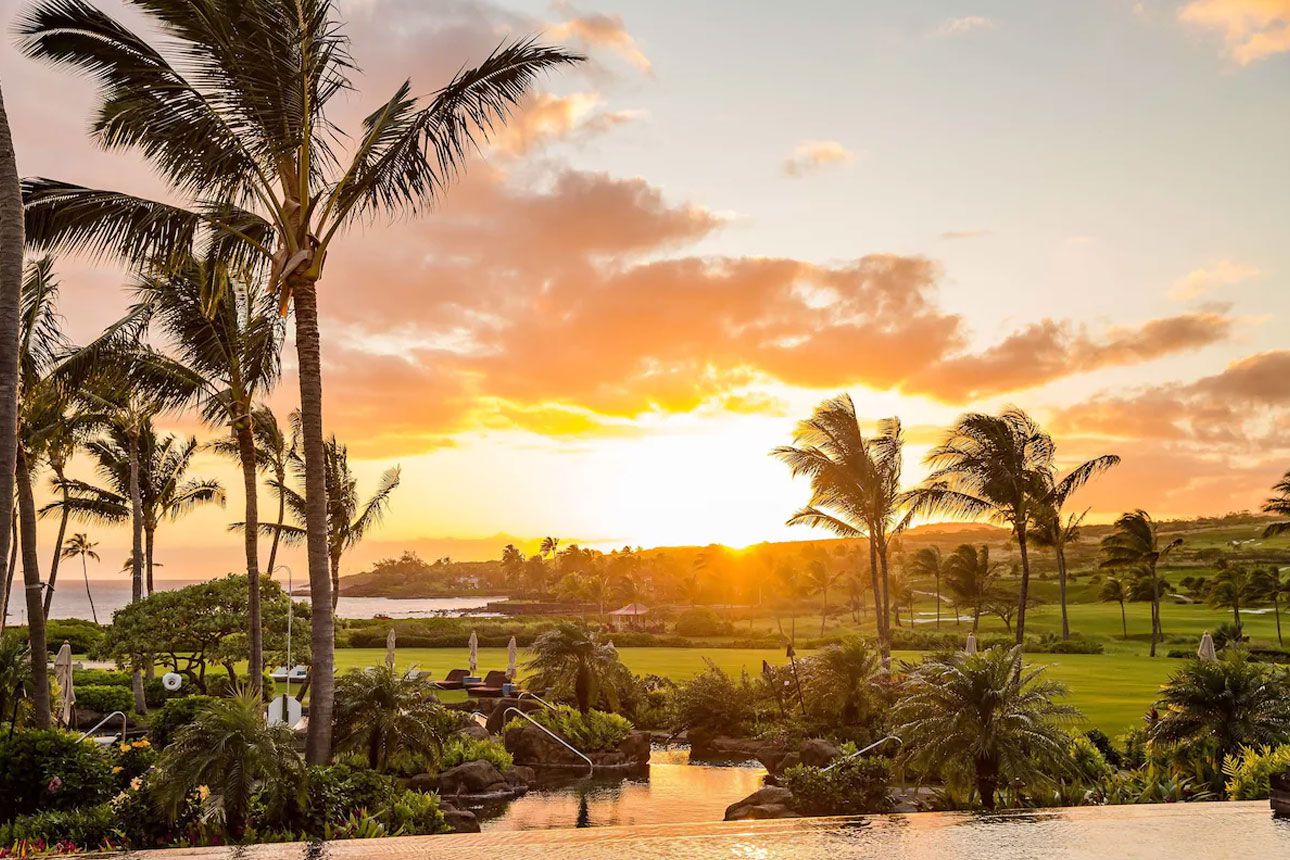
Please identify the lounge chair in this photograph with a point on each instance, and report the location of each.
(454, 680)
(492, 686)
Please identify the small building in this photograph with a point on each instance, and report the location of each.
(630, 617)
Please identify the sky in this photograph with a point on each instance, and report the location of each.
(734, 210)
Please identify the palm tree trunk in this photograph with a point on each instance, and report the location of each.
(11, 247)
(1236, 613)
(149, 542)
(1124, 621)
(886, 589)
(39, 691)
(335, 580)
(136, 555)
(1155, 611)
(824, 609)
(9, 570)
(58, 545)
(322, 671)
(251, 541)
(884, 637)
(938, 599)
(88, 596)
(277, 533)
(1276, 609)
(1025, 585)
(1061, 588)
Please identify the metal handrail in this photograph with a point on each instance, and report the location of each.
(561, 741)
(861, 752)
(537, 698)
(100, 723)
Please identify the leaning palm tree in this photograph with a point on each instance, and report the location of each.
(980, 720)
(995, 466)
(11, 277)
(1278, 504)
(1234, 586)
(249, 150)
(855, 488)
(1115, 591)
(972, 579)
(381, 713)
(572, 658)
(928, 562)
(1135, 545)
(61, 446)
(80, 546)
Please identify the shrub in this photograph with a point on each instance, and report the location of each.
(104, 699)
(712, 701)
(904, 639)
(335, 792)
(1248, 772)
(100, 678)
(852, 787)
(459, 750)
(84, 636)
(222, 686)
(174, 715)
(594, 731)
(51, 769)
(1098, 738)
(131, 759)
(702, 621)
(87, 827)
(412, 813)
(1051, 643)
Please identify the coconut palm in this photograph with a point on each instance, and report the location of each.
(11, 277)
(61, 445)
(855, 488)
(1135, 545)
(1278, 504)
(275, 450)
(348, 520)
(1272, 587)
(229, 749)
(981, 720)
(572, 657)
(550, 547)
(999, 467)
(1048, 529)
(849, 671)
(1222, 705)
(1234, 586)
(381, 713)
(249, 150)
(820, 577)
(971, 578)
(1115, 591)
(80, 546)
(928, 562)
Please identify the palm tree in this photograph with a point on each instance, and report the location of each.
(855, 488)
(249, 149)
(980, 719)
(573, 657)
(1047, 528)
(820, 577)
(61, 446)
(1234, 586)
(1135, 545)
(348, 522)
(1272, 587)
(80, 546)
(381, 713)
(275, 450)
(550, 547)
(849, 670)
(1114, 590)
(229, 749)
(997, 467)
(1220, 706)
(1278, 504)
(11, 277)
(928, 562)
(971, 578)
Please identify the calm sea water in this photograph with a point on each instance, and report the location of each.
(70, 601)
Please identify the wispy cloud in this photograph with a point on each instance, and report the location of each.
(961, 26)
(811, 155)
(603, 31)
(1223, 273)
(1252, 29)
(966, 234)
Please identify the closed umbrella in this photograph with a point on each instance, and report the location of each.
(389, 650)
(970, 648)
(474, 654)
(512, 655)
(1206, 652)
(63, 677)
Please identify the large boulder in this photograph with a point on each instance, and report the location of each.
(817, 753)
(498, 717)
(460, 820)
(474, 731)
(769, 802)
(472, 777)
(531, 746)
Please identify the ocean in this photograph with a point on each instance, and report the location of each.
(113, 594)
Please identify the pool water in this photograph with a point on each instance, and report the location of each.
(673, 791)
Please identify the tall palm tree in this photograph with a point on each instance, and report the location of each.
(348, 520)
(11, 277)
(1273, 588)
(981, 720)
(550, 547)
(573, 657)
(1234, 586)
(275, 450)
(61, 447)
(928, 562)
(80, 546)
(855, 488)
(1115, 591)
(995, 466)
(820, 577)
(380, 713)
(249, 149)
(1278, 504)
(971, 578)
(1135, 545)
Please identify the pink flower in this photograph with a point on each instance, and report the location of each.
(54, 785)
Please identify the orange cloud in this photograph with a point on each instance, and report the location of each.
(546, 118)
(1252, 29)
(1223, 273)
(602, 31)
(811, 155)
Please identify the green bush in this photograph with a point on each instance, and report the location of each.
(412, 813)
(131, 759)
(104, 699)
(335, 792)
(87, 827)
(84, 636)
(100, 678)
(594, 731)
(853, 787)
(222, 686)
(1051, 643)
(702, 621)
(51, 769)
(713, 701)
(459, 750)
(1248, 773)
(174, 715)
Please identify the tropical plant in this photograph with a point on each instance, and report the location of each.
(574, 659)
(997, 467)
(929, 562)
(61, 445)
(80, 546)
(1217, 707)
(1234, 586)
(980, 719)
(1278, 504)
(1249, 771)
(382, 714)
(589, 731)
(971, 578)
(855, 786)
(1135, 545)
(1113, 590)
(15, 675)
(712, 701)
(51, 769)
(229, 749)
(249, 152)
(855, 487)
(1273, 588)
(848, 673)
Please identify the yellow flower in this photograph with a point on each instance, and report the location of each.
(125, 747)
(116, 769)
(203, 792)
(136, 783)
(142, 743)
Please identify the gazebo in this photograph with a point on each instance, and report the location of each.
(628, 617)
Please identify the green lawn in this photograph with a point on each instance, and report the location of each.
(1113, 691)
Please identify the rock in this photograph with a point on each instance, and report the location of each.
(423, 782)
(474, 730)
(472, 777)
(817, 753)
(529, 745)
(636, 748)
(769, 802)
(791, 760)
(498, 717)
(519, 775)
(460, 820)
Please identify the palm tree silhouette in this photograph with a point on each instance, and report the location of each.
(80, 546)
(928, 562)
(1114, 591)
(1135, 545)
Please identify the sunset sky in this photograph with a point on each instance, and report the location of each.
(738, 208)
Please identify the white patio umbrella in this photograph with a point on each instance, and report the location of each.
(63, 677)
(1206, 652)
(970, 648)
(474, 653)
(512, 657)
(389, 650)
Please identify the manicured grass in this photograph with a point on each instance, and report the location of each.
(1113, 691)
